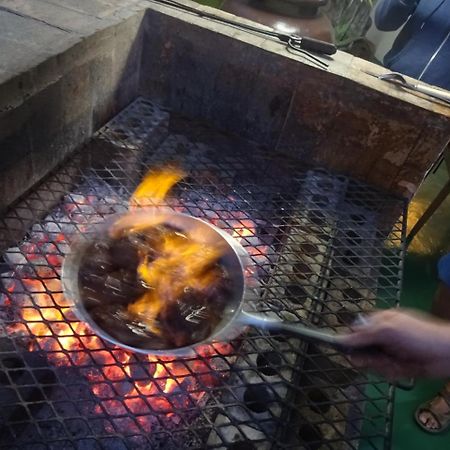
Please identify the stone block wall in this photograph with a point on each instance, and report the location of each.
(340, 118)
(70, 79)
(49, 110)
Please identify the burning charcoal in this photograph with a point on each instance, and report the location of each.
(119, 287)
(149, 241)
(123, 284)
(92, 287)
(186, 321)
(146, 243)
(223, 294)
(118, 324)
(105, 315)
(97, 259)
(193, 317)
(124, 254)
(110, 288)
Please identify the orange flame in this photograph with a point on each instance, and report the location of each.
(182, 264)
(155, 186)
(46, 317)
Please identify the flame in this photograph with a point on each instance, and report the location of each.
(183, 264)
(146, 384)
(155, 186)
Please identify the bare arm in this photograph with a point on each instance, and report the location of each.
(390, 15)
(411, 344)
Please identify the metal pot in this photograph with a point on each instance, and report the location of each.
(235, 259)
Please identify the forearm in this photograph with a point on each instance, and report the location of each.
(390, 15)
(411, 344)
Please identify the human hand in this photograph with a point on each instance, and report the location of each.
(410, 344)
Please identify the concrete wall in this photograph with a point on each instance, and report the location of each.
(49, 110)
(239, 82)
(340, 118)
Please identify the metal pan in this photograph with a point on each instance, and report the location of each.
(235, 259)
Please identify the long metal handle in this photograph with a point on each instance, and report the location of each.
(303, 332)
(399, 80)
(432, 92)
(298, 43)
(310, 335)
(297, 330)
(317, 46)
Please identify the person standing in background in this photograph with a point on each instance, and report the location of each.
(422, 48)
(412, 345)
(422, 51)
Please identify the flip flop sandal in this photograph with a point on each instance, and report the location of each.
(443, 420)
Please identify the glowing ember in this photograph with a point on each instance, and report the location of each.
(146, 386)
(38, 309)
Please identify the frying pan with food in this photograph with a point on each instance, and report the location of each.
(93, 278)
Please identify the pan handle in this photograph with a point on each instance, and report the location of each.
(303, 332)
(312, 335)
(440, 94)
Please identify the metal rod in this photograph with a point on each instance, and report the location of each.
(301, 44)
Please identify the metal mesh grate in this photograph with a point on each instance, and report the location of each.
(324, 247)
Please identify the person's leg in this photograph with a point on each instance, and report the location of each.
(435, 415)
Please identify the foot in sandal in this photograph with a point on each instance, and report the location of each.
(434, 416)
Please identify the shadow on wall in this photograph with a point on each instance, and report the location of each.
(121, 83)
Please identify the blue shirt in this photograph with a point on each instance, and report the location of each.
(422, 49)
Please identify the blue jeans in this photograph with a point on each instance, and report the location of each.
(444, 269)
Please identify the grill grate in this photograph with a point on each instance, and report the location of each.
(324, 248)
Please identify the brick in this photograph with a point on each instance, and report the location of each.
(25, 30)
(103, 103)
(128, 39)
(63, 87)
(49, 110)
(13, 148)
